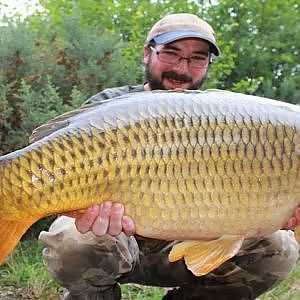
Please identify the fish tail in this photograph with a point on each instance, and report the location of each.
(10, 234)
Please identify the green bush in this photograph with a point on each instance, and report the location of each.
(43, 75)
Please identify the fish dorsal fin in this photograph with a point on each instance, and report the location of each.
(202, 257)
(61, 121)
(46, 129)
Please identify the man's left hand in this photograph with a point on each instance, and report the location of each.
(294, 221)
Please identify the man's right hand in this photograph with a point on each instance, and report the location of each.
(106, 218)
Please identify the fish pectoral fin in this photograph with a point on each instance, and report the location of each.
(179, 250)
(10, 234)
(202, 257)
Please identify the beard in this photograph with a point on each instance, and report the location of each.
(157, 84)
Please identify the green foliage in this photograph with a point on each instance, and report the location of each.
(35, 107)
(89, 55)
(25, 269)
(139, 292)
(18, 55)
(5, 114)
(259, 40)
(265, 41)
(31, 108)
(43, 75)
(129, 20)
(75, 49)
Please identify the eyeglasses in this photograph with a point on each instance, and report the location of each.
(169, 57)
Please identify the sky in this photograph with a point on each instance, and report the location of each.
(23, 7)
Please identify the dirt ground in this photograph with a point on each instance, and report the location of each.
(12, 293)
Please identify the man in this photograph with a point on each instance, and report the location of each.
(91, 255)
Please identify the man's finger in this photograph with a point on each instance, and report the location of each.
(115, 224)
(291, 223)
(85, 221)
(100, 226)
(297, 214)
(128, 225)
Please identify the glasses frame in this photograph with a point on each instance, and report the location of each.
(179, 58)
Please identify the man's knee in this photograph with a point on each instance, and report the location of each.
(274, 256)
(258, 267)
(78, 260)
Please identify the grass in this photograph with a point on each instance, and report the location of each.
(26, 273)
(289, 289)
(25, 270)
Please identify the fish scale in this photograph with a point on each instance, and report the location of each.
(186, 166)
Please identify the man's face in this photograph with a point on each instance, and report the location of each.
(163, 75)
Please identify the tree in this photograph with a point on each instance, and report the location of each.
(265, 41)
(259, 39)
(43, 75)
(83, 46)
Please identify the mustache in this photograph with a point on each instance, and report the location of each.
(175, 76)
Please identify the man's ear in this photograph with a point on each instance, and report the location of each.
(147, 53)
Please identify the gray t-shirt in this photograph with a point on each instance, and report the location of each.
(114, 92)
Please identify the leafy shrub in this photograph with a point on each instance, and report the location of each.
(44, 76)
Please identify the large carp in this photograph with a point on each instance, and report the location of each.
(210, 168)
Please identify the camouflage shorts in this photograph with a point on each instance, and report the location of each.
(91, 267)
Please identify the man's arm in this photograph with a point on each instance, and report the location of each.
(114, 92)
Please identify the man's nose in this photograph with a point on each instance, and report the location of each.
(182, 66)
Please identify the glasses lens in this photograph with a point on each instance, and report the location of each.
(166, 57)
(196, 62)
(173, 58)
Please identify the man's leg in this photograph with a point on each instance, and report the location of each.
(258, 267)
(88, 266)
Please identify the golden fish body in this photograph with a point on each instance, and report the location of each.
(187, 166)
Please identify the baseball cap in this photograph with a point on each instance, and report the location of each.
(183, 25)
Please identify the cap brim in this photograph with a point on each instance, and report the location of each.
(172, 36)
